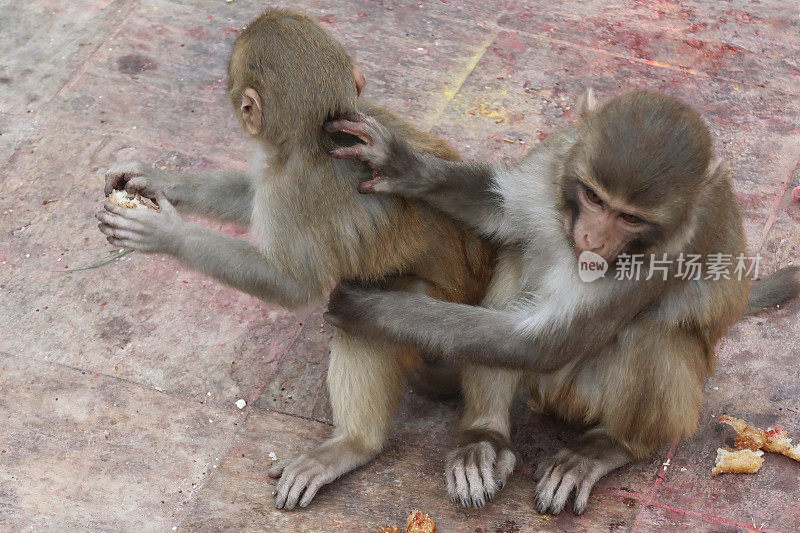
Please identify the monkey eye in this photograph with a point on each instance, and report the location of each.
(592, 197)
(631, 219)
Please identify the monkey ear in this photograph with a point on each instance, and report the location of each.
(360, 79)
(251, 110)
(587, 103)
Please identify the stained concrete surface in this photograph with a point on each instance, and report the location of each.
(118, 383)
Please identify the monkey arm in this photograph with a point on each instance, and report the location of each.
(542, 341)
(240, 265)
(467, 191)
(221, 194)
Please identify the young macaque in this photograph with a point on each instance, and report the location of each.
(625, 358)
(312, 230)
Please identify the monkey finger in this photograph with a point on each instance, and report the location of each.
(123, 212)
(118, 243)
(476, 486)
(164, 204)
(299, 485)
(277, 469)
(109, 219)
(547, 487)
(377, 184)
(119, 222)
(137, 184)
(504, 467)
(348, 152)
(311, 491)
(358, 129)
(462, 485)
(120, 174)
(486, 459)
(565, 487)
(584, 489)
(115, 232)
(451, 484)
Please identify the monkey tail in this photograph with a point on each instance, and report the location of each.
(778, 287)
(436, 378)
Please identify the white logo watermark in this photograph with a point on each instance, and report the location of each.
(591, 266)
(713, 267)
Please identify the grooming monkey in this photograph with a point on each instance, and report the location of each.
(624, 358)
(287, 77)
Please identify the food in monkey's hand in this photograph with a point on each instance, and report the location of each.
(744, 461)
(417, 522)
(131, 201)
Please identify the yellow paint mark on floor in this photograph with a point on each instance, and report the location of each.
(485, 108)
(451, 93)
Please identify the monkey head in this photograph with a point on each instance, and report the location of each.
(287, 76)
(632, 179)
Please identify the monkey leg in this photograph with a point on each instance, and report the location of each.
(646, 391)
(482, 460)
(364, 381)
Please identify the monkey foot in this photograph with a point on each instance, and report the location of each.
(302, 477)
(569, 470)
(476, 471)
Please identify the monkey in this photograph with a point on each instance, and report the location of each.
(623, 358)
(287, 76)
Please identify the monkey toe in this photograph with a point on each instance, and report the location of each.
(277, 470)
(472, 475)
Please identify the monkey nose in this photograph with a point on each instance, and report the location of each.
(593, 243)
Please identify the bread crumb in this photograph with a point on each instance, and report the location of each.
(241, 404)
(746, 436)
(778, 443)
(417, 522)
(744, 461)
(125, 199)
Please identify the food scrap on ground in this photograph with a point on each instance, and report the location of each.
(746, 457)
(744, 461)
(417, 522)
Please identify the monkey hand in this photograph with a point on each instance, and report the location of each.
(478, 467)
(393, 161)
(135, 177)
(348, 307)
(145, 230)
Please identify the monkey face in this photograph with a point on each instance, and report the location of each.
(605, 226)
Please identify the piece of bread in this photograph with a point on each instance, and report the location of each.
(778, 443)
(747, 436)
(744, 461)
(419, 522)
(772, 440)
(126, 199)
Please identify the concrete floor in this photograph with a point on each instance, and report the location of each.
(117, 384)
